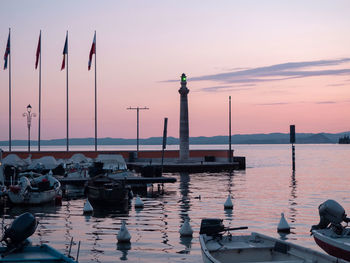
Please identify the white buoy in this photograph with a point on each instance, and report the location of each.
(283, 225)
(123, 234)
(186, 230)
(138, 202)
(228, 204)
(88, 207)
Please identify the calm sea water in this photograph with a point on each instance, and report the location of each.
(265, 189)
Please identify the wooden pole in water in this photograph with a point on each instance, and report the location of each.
(164, 140)
(292, 141)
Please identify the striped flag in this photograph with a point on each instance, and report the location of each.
(92, 51)
(38, 51)
(7, 52)
(65, 52)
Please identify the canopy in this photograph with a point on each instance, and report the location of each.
(112, 161)
(47, 162)
(14, 160)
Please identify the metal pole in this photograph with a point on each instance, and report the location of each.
(29, 132)
(137, 132)
(95, 97)
(229, 139)
(138, 110)
(39, 130)
(10, 55)
(67, 98)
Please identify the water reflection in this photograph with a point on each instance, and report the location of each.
(124, 248)
(185, 205)
(293, 197)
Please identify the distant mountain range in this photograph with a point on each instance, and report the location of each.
(271, 138)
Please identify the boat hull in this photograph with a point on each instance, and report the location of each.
(38, 254)
(337, 247)
(257, 248)
(33, 198)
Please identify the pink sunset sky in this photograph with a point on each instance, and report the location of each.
(283, 62)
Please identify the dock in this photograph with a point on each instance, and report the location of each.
(130, 180)
(199, 160)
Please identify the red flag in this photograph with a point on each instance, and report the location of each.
(92, 51)
(38, 51)
(7, 51)
(65, 52)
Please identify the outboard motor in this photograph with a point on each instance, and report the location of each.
(211, 226)
(331, 212)
(21, 228)
(215, 227)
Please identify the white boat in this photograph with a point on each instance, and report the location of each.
(219, 248)
(329, 233)
(33, 188)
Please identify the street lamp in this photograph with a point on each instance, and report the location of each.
(29, 116)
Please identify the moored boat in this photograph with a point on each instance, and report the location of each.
(103, 190)
(218, 247)
(33, 188)
(18, 249)
(329, 233)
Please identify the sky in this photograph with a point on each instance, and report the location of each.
(282, 62)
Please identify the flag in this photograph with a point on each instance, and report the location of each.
(65, 52)
(38, 51)
(7, 52)
(92, 51)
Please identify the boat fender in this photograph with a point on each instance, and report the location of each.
(186, 230)
(228, 203)
(123, 234)
(283, 225)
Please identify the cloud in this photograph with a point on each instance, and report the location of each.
(247, 86)
(337, 85)
(325, 102)
(278, 72)
(273, 104)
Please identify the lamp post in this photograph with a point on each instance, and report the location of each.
(29, 116)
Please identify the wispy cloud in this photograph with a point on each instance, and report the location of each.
(337, 85)
(273, 104)
(325, 102)
(247, 86)
(278, 72)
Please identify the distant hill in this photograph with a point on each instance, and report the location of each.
(271, 138)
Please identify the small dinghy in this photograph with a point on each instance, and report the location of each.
(329, 233)
(18, 249)
(218, 247)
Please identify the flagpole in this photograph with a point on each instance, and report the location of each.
(95, 97)
(10, 55)
(67, 96)
(39, 95)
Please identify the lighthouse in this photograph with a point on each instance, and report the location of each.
(184, 131)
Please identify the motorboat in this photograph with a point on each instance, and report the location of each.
(34, 188)
(218, 245)
(332, 233)
(106, 191)
(18, 248)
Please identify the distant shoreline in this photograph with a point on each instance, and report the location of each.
(271, 138)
